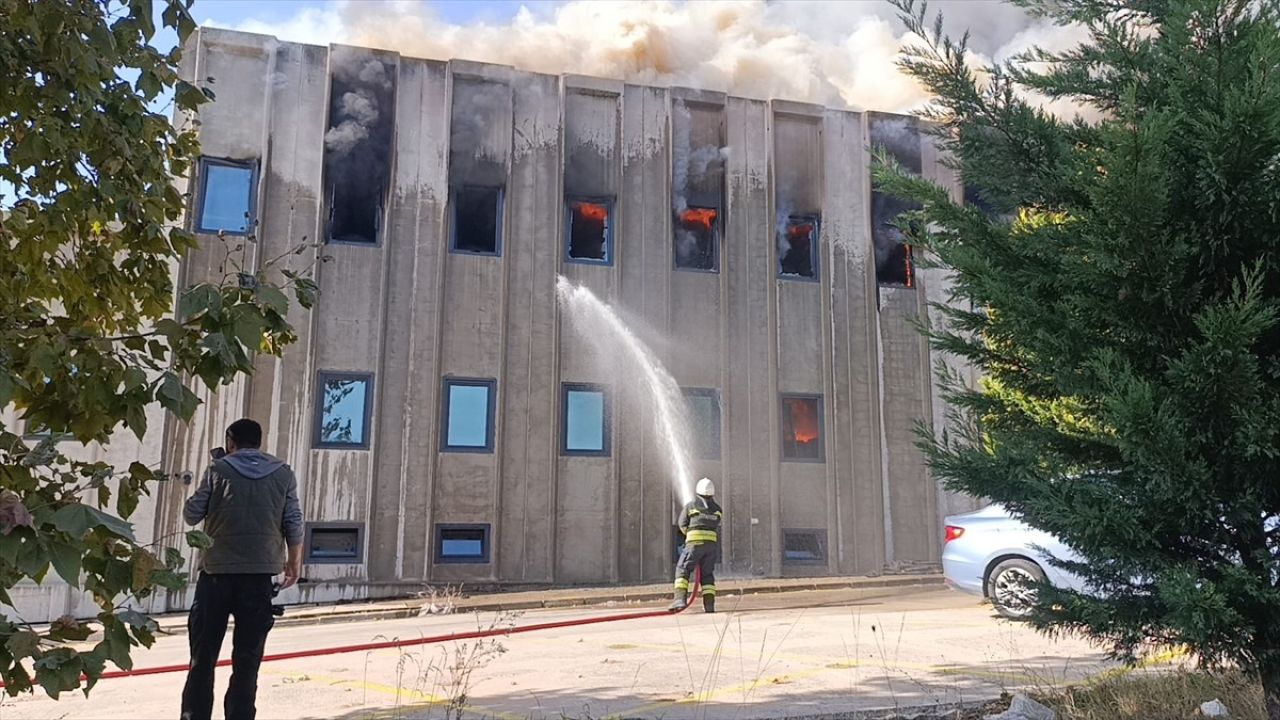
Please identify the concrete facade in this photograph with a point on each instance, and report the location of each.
(409, 312)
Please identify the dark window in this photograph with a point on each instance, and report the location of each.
(898, 267)
(477, 220)
(357, 146)
(802, 428)
(468, 415)
(462, 544)
(798, 247)
(585, 420)
(334, 542)
(697, 232)
(344, 402)
(804, 547)
(590, 229)
(704, 421)
(226, 196)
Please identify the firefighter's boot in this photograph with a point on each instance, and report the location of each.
(708, 604)
(682, 599)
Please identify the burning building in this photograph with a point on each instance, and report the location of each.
(444, 426)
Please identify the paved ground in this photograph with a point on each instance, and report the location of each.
(781, 655)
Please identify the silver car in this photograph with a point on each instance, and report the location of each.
(994, 555)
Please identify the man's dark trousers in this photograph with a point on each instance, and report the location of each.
(247, 598)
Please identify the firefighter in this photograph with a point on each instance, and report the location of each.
(700, 524)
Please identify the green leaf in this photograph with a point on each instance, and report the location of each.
(77, 518)
(199, 539)
(134, 378)
(173, 558)
(58, 671)
(271, 296)
(176, 397)
(66, 561)
(23, 644)
(200, 299)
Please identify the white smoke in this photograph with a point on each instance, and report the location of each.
(841, 54)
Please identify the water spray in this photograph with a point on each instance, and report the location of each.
(611, 338)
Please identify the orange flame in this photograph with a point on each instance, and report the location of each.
(804, 421)
(591, 211)
(800, 231)
(910, 266)
(698, 218)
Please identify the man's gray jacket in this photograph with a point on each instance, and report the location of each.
(248, 501)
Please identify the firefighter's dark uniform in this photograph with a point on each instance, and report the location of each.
(700, 523)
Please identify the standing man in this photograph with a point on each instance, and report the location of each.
(248, 501)
(700, 524)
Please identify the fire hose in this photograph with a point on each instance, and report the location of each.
(389, 644)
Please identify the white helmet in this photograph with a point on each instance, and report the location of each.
(706, 488)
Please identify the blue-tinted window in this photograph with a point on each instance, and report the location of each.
(586, 420)
(343, 406)
(462, 543)
(704, 422)
(468, 415)
(226, 197)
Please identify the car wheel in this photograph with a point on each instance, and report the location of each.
(1010, 587)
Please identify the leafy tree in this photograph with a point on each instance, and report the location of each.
(88, 337)
(1122, 302)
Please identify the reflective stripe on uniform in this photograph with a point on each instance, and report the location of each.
(682, 583)
(709, 590)
(700, 536)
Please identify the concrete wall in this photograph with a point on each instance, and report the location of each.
(411, 313)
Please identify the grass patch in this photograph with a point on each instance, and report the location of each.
(1158, 696)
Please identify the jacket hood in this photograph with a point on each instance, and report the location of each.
(253, 463)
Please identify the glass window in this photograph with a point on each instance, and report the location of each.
(477, 219)
(462, 543)
(798, 247)
(696, 233)
(342, 410)
(226, 197)
(468, 415)
(589, 230)
(333, 543)
(586, 421)
(804, 547)
(704, 422)
(802, 428)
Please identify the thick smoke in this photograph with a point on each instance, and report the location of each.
(841, 54)
(901, 137)
(479, 117)
(695, 173)
(357, 159)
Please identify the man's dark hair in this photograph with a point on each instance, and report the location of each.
(245, 433)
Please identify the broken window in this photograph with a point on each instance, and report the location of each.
(462, 544)
(898, 265)
(589, 230)
(804, 547)
(697, 234)
(802, 428)
(585, 420)
(334, 542)
(477, 220)
(798, 247)
(357, 147)
(343, 407)
(468, 415)
(704, 421)
(226, 197)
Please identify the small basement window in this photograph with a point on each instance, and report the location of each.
(804, 547)
(697, 233)
(226, 196)
(343, 408)
(477, 220)
(585, 420)
(802, 428)
(468, 415)
(334, 542)
(590, 233)
(462, 544)
(798, 247)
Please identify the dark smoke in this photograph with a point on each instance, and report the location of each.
(900, 136)
(357, 158)
(479, 112)
(696, 180)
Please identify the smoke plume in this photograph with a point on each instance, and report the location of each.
(841, 54)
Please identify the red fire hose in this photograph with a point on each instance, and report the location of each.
(386, 644)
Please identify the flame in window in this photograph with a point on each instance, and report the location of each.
(910, 268)
(804, 421)
(591, 211)
(698, 218)
(800, 233)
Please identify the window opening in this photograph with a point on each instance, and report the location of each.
(804, 547)
(802, 428)
(589, 230)
(697, 233)
(462, 544)
(468, 415)
(343, 409)
(477, 219)
(586, 421)
(333, 543)
(357, 147)
(797, 246)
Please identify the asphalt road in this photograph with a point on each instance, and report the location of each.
(766, 656)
